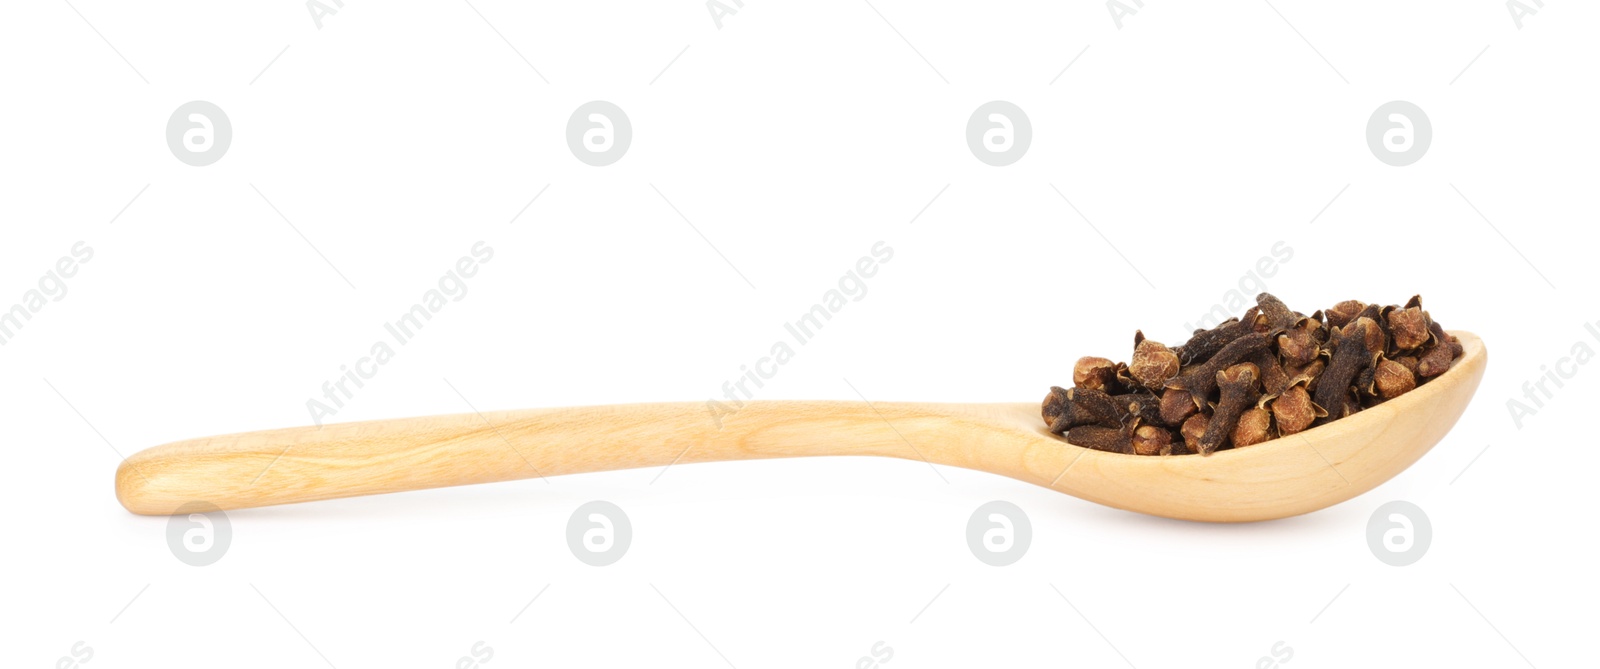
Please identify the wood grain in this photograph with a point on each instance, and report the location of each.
(1284, 477)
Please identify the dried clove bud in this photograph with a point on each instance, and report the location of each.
(1366, 384)
(1294, 410)
(1151, 440)
(1437, 359)
(1193, 429)
(1094, 373)
(1344, 312)
(1254, 427)
(1302, 343)
(1115, 440)
(1408, 327)
(1274, 380)
(1176, 406)
(1377, 340)
(1308, 374)
(1238, 384)
(1146, 408)
(1435, 362)
(1393, 379)
(1203, 378)
(1373, 312)
(1278, 316)
(1153, 363)
(1354, 353)
(1055, 404)
(1085, 406)
(1205, 344)
(1178, 447)
(1122, 380)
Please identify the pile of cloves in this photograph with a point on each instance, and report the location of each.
(1272, 373)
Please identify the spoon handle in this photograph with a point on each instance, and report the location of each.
(344, 460)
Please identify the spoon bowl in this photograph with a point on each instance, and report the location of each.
(1291, 475)
(1283, 477)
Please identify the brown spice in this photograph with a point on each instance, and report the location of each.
(1073, 407)
(1393, 379)
(1303, 342)
(1238, 384)
(1355, 352)
(1294, 410)
(1279, 316)
(1274, 380)
(1151, 440)
(1445, 349)
(1308, 374)
(1408, 327)
(1201, 380)
(1193, 429)
(1176, 406)
(1254, 427)
(1153, 363)
(1342, 313)
(1115, 440)
(1207, 343)
(1094, 373)
(1144, 408)
(1272, 373)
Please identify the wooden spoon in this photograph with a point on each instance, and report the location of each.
(1275, 479)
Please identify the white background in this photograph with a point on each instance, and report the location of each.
(793, 138)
